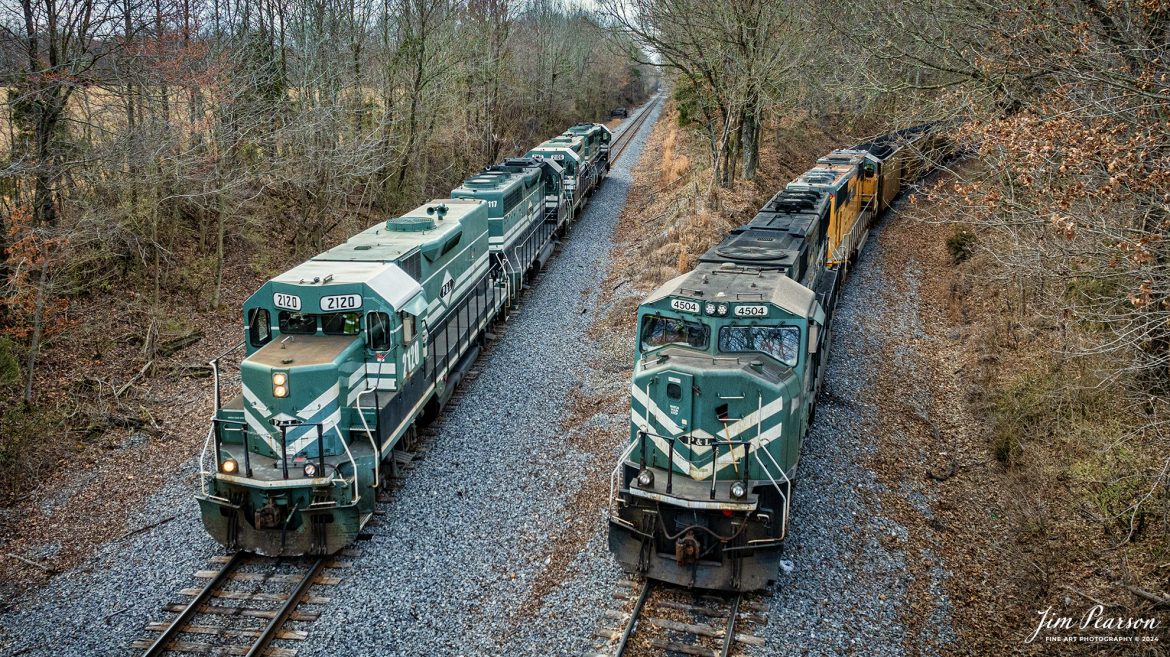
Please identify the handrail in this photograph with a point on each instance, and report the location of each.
(373, 444)
(613, 476)
(783, 495)
(214, 363)
(352, 464)
(203, 473)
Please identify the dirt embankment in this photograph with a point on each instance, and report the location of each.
(145, 422)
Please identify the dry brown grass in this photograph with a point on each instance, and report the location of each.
(673, 164)
(672, 217)
(1064, 453)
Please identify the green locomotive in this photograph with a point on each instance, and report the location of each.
(728, 365)
(583, 152)
(347, 352)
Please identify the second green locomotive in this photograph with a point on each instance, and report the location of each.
(728, 365)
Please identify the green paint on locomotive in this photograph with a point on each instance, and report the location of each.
(297, 450)
(723, 355)
(515, 203)
(596, 138)
(564, 156)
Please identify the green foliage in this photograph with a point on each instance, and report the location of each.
(10, 377)
(687, 100)
(961, 244)
(1018, 409)
(29, 445)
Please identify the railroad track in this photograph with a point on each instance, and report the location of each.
(236, 612)
(244, 606)
(630, 128)
(667, 620)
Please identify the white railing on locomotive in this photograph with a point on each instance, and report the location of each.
(215, 437)
(613, 476)
(747, 446)
(783, 494)
(214, 363)
(212, 438)
(787, 482)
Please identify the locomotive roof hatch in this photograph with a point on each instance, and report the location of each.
(766, 249)
(731, 283)
(413, 231)
(796, 224)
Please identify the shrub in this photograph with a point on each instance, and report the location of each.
(961, 244)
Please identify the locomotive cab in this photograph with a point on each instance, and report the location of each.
(341, 357)
(719, 401)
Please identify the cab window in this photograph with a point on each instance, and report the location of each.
(661, 331)
(259, 328)
(408, 328)
(378, 328)
(779, 342)
(295, 323)
(339, 324)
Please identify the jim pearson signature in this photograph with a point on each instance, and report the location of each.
(1093, 619)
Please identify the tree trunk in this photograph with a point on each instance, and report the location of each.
(34, 346)
(749, 137)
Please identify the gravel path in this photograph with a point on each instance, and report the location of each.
(850, 590)
(454, 557)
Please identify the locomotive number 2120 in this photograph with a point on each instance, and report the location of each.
(341, 302)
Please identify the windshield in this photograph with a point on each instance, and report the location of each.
(661, 331)
(779, 342)
(297, 323)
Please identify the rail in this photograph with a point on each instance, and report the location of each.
(631, 128)
(692, 633)
(169, 640)
(270, 631)
(162, 644)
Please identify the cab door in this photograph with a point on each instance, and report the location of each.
(676, 394)
(675, 400)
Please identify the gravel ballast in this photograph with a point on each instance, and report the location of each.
(848, 592)
(451, 562)
(454, 559)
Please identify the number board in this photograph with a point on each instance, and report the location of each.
(286, 301)
(751, 311)
(341, 302)
(684, 306)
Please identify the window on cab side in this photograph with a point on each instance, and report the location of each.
(259, 327)
(779, 342)
(340, 324)
(378, 331)
(408, 329)
(660, 331)
(295, 323)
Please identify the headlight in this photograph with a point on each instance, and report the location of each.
(310, 470)
(230, 466)
(645, 478)
(280, 391)
(279, 379)
(738, 490)
(722, 309)
(709, 309)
